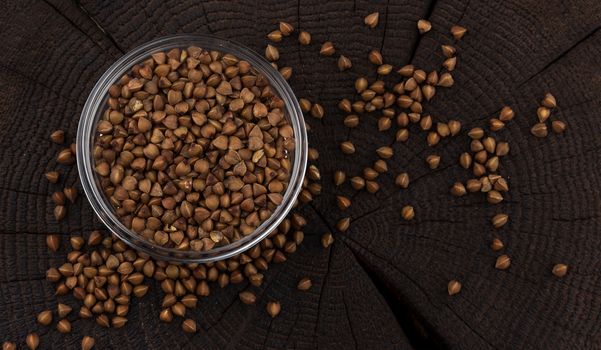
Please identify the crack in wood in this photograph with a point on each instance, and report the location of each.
(293, 327)
(47, 2)
(32, 279)
(298, 45)
(467, 5)
(427, 14)
(400, 310)
(108, 35)
(560, 56)
(348, 318)
(385, 26)
(227, 307)
(421, 289)
(32, 79)
(325, 281)
(322, 217)
(30, 193)
(471, 328)
(268, 283)
(361, 261)
(61, 233)
(268, 331)
(572, 156)
(573, 220)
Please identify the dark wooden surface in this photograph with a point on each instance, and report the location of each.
(383, 283)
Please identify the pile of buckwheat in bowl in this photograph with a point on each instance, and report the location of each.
(194, 150)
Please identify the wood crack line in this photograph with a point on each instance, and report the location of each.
(100, 27)
(467, 5)
(268, 331)
(32, 79)
(399, 315)
(299, 50)
(417, 285)
(321, 217)
(444, 244)
(325, 281)
(227, 307)
(32, 279)
(471, 328)
(61, 233)
(350, 324)
(385, 27)
(24, 192)
(429, 10)
(560, 56)
(292, 327)
(573, 220)
(246, 319)
(75, 25)
(421, 289)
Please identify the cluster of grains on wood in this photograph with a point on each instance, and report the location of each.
(483, 158)
(311, 186)
(400, 105)
(104, 275)
(65, 157)
(193, 148)
(543, 113)
(480, 145)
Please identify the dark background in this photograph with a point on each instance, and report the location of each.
(383, 283)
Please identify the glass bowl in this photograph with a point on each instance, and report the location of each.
(96, 104)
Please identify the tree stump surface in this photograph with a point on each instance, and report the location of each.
(382, 284)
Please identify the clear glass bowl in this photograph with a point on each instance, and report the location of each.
(96, 104)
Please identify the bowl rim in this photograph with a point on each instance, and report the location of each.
(92, 111)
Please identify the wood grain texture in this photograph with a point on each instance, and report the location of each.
(382, 285)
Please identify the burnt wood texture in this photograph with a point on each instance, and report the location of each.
(382, 284)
